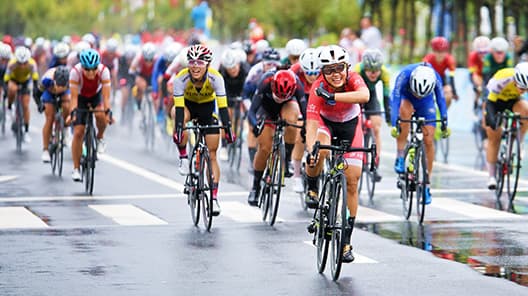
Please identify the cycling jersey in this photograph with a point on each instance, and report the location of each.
(490, 66)
(373, 103)
(234, 85)
(55, 62)
(110, 60)
(502, 86)
(424, 107)
(448, 63)
(140, 67)
(475, 63)
(296, 68)
(21, 73)
(88, 88)
(252, 80)
(47, 81)
(159, 69)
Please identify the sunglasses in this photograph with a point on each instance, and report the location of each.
(197, 63)
(328, 70)
(90, 69)
(499, 52)
(312, 73)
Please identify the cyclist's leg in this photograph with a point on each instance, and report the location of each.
(100, 117)
(65, 103)
(428, 111)
(290, 113)
(406, 112)
(49, 112)
(78, 135)
(141, 86)
(376, 120)
(12, 89)
(297, 154)
(448, 94)
(265, 143)
(494, 135)
(521, 107)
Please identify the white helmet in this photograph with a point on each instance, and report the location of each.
(499, 44)
(39, 42)
(5, 51)
(148, 50)
(22, 54)
(295, 47)
(521, 75)
(261, 45)
(481, 44)
(182, 57)
(332, 54)
(130, 50)
(242, 56)
(171, 51)
(236, 45)
(423, 81)
(61, 50)
(88, 37)
(28, 41)
(230, 58)
(81, 45)
(111, 45)
(66, 39)
(309, 61)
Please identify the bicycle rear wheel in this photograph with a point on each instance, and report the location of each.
(338, 224)
(205, 185)
(420, 168)
(406, 183)
(501, 170)
(277, 178)
(370, 181)
(321, 228)
(514, 164)
(2, 115)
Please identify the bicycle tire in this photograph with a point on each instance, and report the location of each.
(370, 181)
(420, 167)
(90, 157)
(444, 146)
(3, 116)
(339, 205)
(52, 148)
(302, 194)
(514, 163)
(60, 148)
(321, 239)
(264, 192)
(205, 185)
(191, 182)
(500, 169)
(406, 184)
(19, 124)
(277, 179)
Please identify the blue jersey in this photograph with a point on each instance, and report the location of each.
(424, 107)
(55, 62)
(159, 69)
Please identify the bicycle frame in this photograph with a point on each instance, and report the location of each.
(19, 119)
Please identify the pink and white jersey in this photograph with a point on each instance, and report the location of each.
(340, 112)
(89, 87)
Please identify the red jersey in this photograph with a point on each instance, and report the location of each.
(475, 63)
(440, 67)
(110, 60)
(340, 112)
(296, 68)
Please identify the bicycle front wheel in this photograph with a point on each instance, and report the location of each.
(205, 185)
(501, 169)
(19, 133)
(321, 229)
(277, 179)
(370, 181)
(338, 211)
(191, 188)
(514, 164)
(420, 167)
(406, 182)
(91, 155)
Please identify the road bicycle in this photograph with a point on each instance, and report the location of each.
(148, 119)
(234, 150)
(56, 144)
(368, 176)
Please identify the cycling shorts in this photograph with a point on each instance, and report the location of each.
(348, 130)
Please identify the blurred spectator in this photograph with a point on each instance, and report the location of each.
(256, 32)
(370, 35)
(202, 18)
(353, 44)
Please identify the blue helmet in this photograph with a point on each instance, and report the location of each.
(89, 58)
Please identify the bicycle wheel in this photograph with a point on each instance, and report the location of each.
(148, 122)
(264, 197)
(19, 124)
(2, 115)
(406, 183)
(191, 188)
(321, 238)
(90, 158)
(59, 150)
(370, 181)
(420, 168)
(277, 179)
(514, 164)
(501, 170)
(302, 195)
(205, 185)
(338, 210)
(52, 147)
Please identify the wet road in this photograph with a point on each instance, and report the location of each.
(135, 237)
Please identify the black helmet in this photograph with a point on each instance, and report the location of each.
(61, 76)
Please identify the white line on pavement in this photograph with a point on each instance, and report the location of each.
(127, 215)
(360, 259)
(436, 191)
(19, 217)
(7, 178)
(241, 212)
(471, 210)
(368, 215)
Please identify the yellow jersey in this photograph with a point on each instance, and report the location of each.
(21, 72)
(502, 86)
(212, 89)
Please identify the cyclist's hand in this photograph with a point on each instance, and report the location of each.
(443, 125)
(323, 93)
(395, 132)
(230, 136)
(310, 160)
(446, 133)
(109, 117)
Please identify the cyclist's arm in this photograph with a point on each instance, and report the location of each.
(156, 73)
(105, 91)
(401, 83)
(9, 69)
(360, 95)
(440, 99)
(385, 79)
(133, 69)
(74, 88)
(221, 98)
(313, 116)
(301, 98)
(252, 113)
(179, 101)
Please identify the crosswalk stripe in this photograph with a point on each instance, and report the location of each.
(368, 215)
(359, 259)
(470, 210)
(240, 212)
(7, 178)
(126, 214)
(19, 217)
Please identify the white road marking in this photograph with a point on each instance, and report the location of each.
(360, 259)
(7, 178)
(470, 210)
(244, 213)
(19, 217)
(127, 215)
(368, 215)
(436, 191)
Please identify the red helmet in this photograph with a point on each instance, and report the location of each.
(439, 44)
(283, 85)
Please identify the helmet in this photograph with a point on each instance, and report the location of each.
(66, 39)
(271, 54)
(89, 58)
(261, 45)
(130, 50)
(481, 44)
(88, 37)
(423, 81)
(148, 50)
(171, 51)
(439, 44)
(332, 54)
(248, 46)
(283, 85)
(308, 60)
(61, 50)
(81, 45)
(61, 75)
(235, 45)
(499, 44)
(372, 59)
(28, 42)
(22, 54)
(111, 45)
(521, 75)
(230, 58)
(242, 56)
(295, 47)
(199, 52)
(5, 51)
(39, 42)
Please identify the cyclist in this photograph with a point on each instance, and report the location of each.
(54, 84)
(142, 67)
(60, 55)
(481, 46)
(414, 92)
(90, 87)
(441, 60)
(40, 54)
(20, 70)
(505, 90)
(279, 95)
(333, 111)
(5, 57)
(197, 90)
(294, 48)
(498, 58)
(110, 58)
(159, 85)
(270, 61)
(126, 80)
(307, 69)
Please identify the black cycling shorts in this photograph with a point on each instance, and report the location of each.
(492, 108)
(85, 103)
(204, 114)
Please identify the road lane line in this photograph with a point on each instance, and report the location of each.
(244, 213)
(142, 172)
(360, 259)
(442, 191)
(19, 217)
(368, 215)
(471, 210)
(7, 178)
(126, 214)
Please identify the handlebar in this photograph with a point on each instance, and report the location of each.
(345, 147)
(281, 122)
